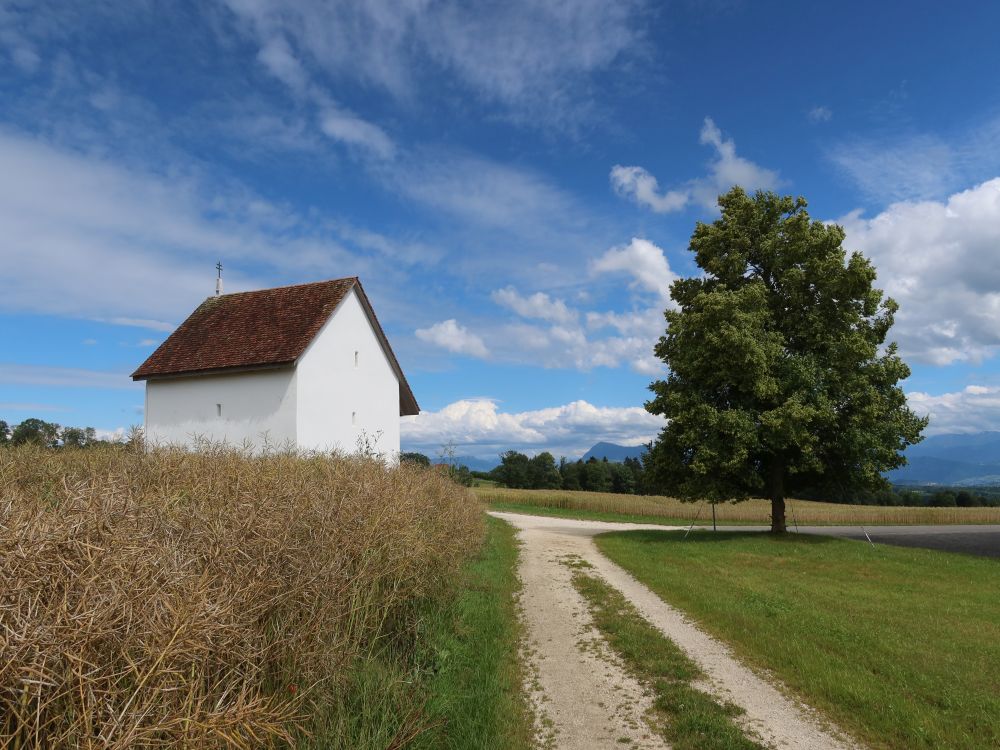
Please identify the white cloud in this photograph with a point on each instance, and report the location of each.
(478, 426)
(115, 435)
(538, 305)
(919, 165)
(351, 130)
(9, 406)
(15, 42)
(450, 335)
(507, 220)
(278, 58)
(335, 121)
(639, 185)
(726, 170)
(976, 408)
(906, 168)
(483, 191)
(87, 237)
(16, 374)
(153, 325)
(820, 114)
(568, 337)
(528, 56)
(644, 261)
(941, 262)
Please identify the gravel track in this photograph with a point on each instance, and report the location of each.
(582, 695)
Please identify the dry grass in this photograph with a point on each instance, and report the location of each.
(209, 600)
(752, 511)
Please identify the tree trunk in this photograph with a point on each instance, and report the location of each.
(777, 499)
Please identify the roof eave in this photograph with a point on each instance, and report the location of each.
(212, 371)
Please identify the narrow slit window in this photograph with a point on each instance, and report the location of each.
(356, 358)
(218, 410)
(354, 417)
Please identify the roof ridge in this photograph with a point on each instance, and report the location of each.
(285, 286)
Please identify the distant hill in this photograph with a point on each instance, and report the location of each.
(476, 464)
(954, 460)
(614, 452)
(958, 460)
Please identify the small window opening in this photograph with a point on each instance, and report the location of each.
(356, 359)
(354, 417)
(218, 410)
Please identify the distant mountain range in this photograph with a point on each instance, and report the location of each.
(957, 460)
(954, 460)
(611, 451)
(614, 452)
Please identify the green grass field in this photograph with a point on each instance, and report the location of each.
(606, 506)
(900, 647)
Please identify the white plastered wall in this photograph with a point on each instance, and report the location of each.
(338, 401)
(256, 406)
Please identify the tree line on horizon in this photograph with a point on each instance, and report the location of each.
(631, 477)
(47, 434)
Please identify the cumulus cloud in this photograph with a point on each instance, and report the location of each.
(639, 185)
(976, 408)
(941, 262)
(450, 335)
(538, 305)
(554, 334)
(727, 169)
(644, 261)
(479, 427)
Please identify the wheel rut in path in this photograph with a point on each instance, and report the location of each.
(582, 695)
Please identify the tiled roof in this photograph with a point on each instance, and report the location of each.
(266, 328)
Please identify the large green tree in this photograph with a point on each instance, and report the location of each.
(778, 378)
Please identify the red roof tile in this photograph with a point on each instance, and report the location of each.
(266, 328)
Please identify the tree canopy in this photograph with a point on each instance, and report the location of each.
(778, 378)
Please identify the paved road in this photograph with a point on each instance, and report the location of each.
(970, 539)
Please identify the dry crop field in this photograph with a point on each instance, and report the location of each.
(751, 511)
(172, 599)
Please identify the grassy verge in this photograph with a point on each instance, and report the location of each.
(899, 646)
(457, 685)
(687, 718)
(476, 683)
(671, 511)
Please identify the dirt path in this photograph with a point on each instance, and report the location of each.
(581, 693)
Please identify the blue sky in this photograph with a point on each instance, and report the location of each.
(515, 184)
